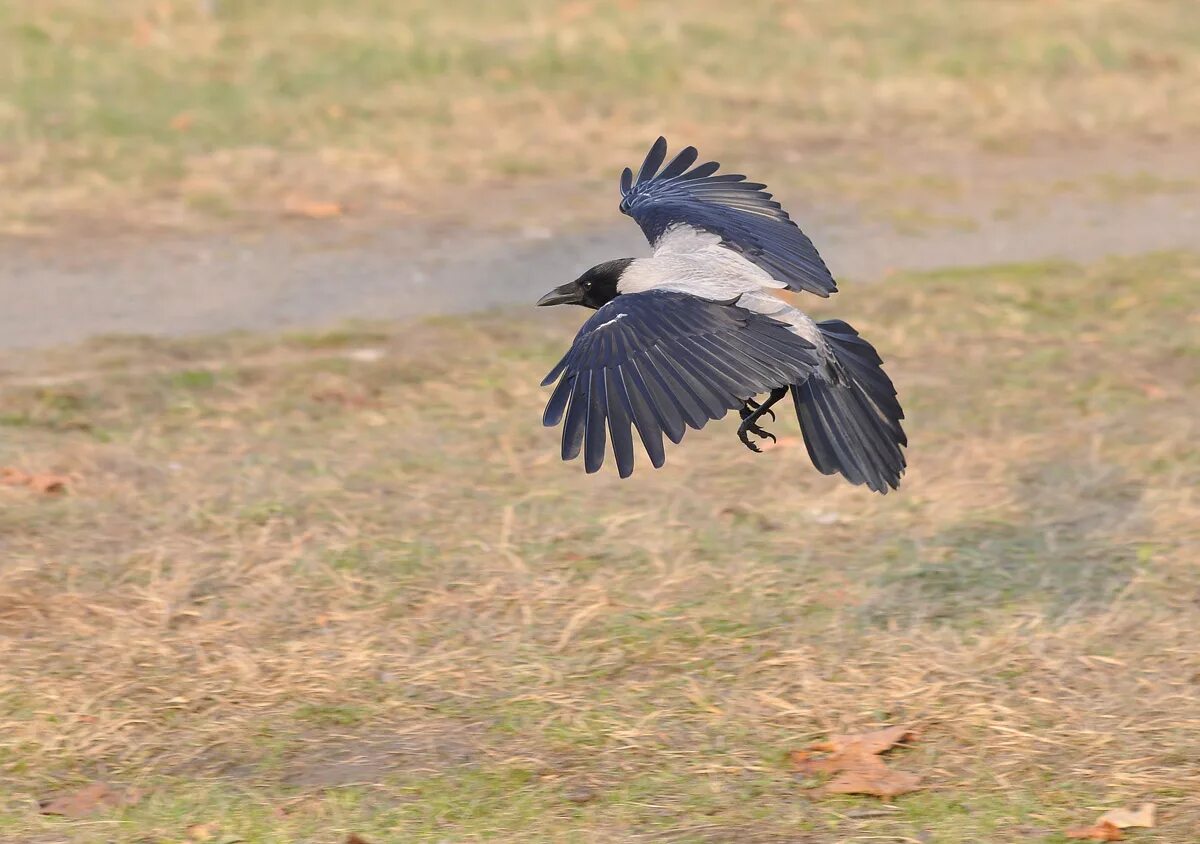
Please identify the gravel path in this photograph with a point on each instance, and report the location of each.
(321, 273)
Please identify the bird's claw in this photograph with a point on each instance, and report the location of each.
(744, 432)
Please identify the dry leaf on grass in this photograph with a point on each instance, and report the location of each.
(871, 776)
(1103, 831)
(874, 742)
(1109, 825)
(1143, 815)
(89, 799)
(855, 761)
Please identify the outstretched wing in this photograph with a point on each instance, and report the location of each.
(658, 361)
(741, 213)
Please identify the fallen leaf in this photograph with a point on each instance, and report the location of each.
(313, 209)
(874, 742)
(806, 763)
(353, 838)
(872, 776)
(855, 761)
(1103, 831)
(89, 799)
(1143, 815)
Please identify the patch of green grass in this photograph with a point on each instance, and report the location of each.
(193, 379)
(330, 715)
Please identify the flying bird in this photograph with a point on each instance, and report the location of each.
(693, 331)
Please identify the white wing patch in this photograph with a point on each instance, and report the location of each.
(681, 239)
(693, 261)
(610, 322)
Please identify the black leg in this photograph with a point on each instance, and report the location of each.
(750, 420)
(747, 409)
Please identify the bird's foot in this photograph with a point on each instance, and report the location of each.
(751, 411)
(748, 408)
(750, 426)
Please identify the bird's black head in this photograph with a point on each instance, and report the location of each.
(596, 287)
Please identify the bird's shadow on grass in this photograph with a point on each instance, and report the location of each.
(1064, 558)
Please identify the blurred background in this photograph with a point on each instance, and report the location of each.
(286, 554)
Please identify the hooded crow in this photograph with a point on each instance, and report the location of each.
(694, 330)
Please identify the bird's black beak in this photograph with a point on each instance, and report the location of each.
(568, 294)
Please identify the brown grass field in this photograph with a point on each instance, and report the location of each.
(316, 584)
(183, 112)
(297, 587)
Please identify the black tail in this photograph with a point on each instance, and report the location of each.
(851, 424)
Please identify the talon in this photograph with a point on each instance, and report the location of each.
(766, 435)
(746, 442)
(744, 431)
(751, 411)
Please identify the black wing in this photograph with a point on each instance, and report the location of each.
(741, 213)
(660, 360)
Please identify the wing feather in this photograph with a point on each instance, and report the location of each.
(619, 421)
(665, 407)
(573, 427)
(649, 430)
(598, 412)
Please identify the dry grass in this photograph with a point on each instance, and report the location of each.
(295, 591)
(158, 111)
